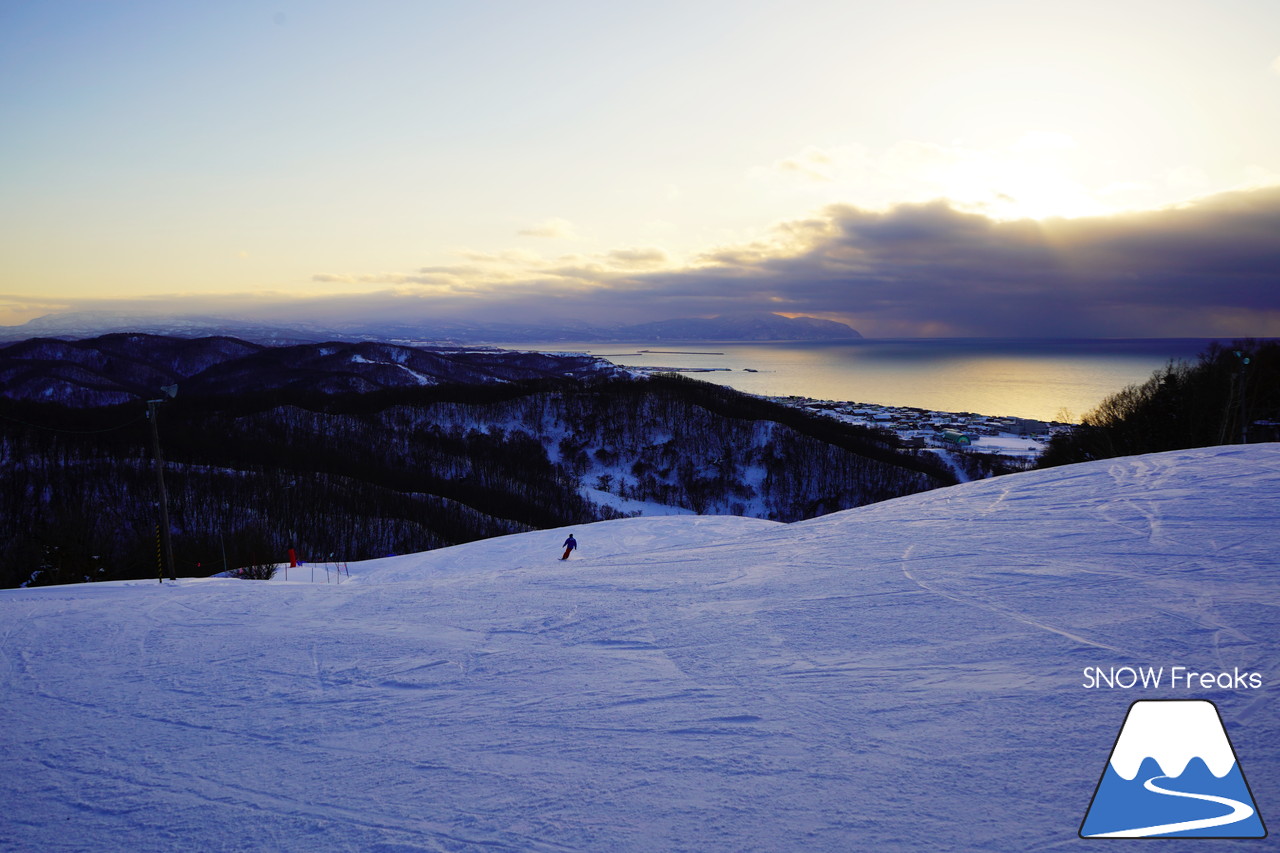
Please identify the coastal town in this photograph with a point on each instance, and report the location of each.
(1019, 439)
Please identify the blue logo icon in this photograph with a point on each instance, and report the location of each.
(1172, 774)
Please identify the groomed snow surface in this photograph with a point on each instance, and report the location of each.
(904, 676)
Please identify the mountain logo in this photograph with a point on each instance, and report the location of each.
(1172, 774)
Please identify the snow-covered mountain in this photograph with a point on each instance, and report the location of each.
(90, 324)
(742, 326)
(903, 676)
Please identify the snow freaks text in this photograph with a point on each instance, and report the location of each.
(1172, 678)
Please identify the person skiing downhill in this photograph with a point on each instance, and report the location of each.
(570, 544)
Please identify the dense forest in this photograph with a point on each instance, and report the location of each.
(347, 476)
(1230, 395)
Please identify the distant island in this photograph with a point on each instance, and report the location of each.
(744, 326)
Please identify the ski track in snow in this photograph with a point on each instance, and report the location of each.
(903, 676)
(906, 557)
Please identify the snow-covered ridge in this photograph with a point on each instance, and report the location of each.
(1172, 733)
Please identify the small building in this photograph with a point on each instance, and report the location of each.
(955, 438)
(1027, 426)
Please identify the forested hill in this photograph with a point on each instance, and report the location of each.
(120, 368)
(404, 469)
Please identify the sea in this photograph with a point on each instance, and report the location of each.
(1051, 380)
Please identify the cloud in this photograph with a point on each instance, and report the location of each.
(502, 274)
(1206, 268)
(930, 266)
(1036, 174)
(554, 229)
(428, 277)
(646, 257)
(1151, 273)
(812, 163)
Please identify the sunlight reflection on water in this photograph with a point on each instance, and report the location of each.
(1026, 378)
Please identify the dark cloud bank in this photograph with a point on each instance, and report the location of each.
(1208, 268)
(1204, 269)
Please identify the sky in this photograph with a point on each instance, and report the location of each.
(911, 168)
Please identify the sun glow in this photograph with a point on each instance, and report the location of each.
(1035, 175)
(1030, 179)
(1019, 192)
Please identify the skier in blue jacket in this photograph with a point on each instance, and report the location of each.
(570, 544)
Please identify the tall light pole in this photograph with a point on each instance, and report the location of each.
(170, 392)
(1240, 383)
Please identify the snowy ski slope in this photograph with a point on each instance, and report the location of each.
(904, 676)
